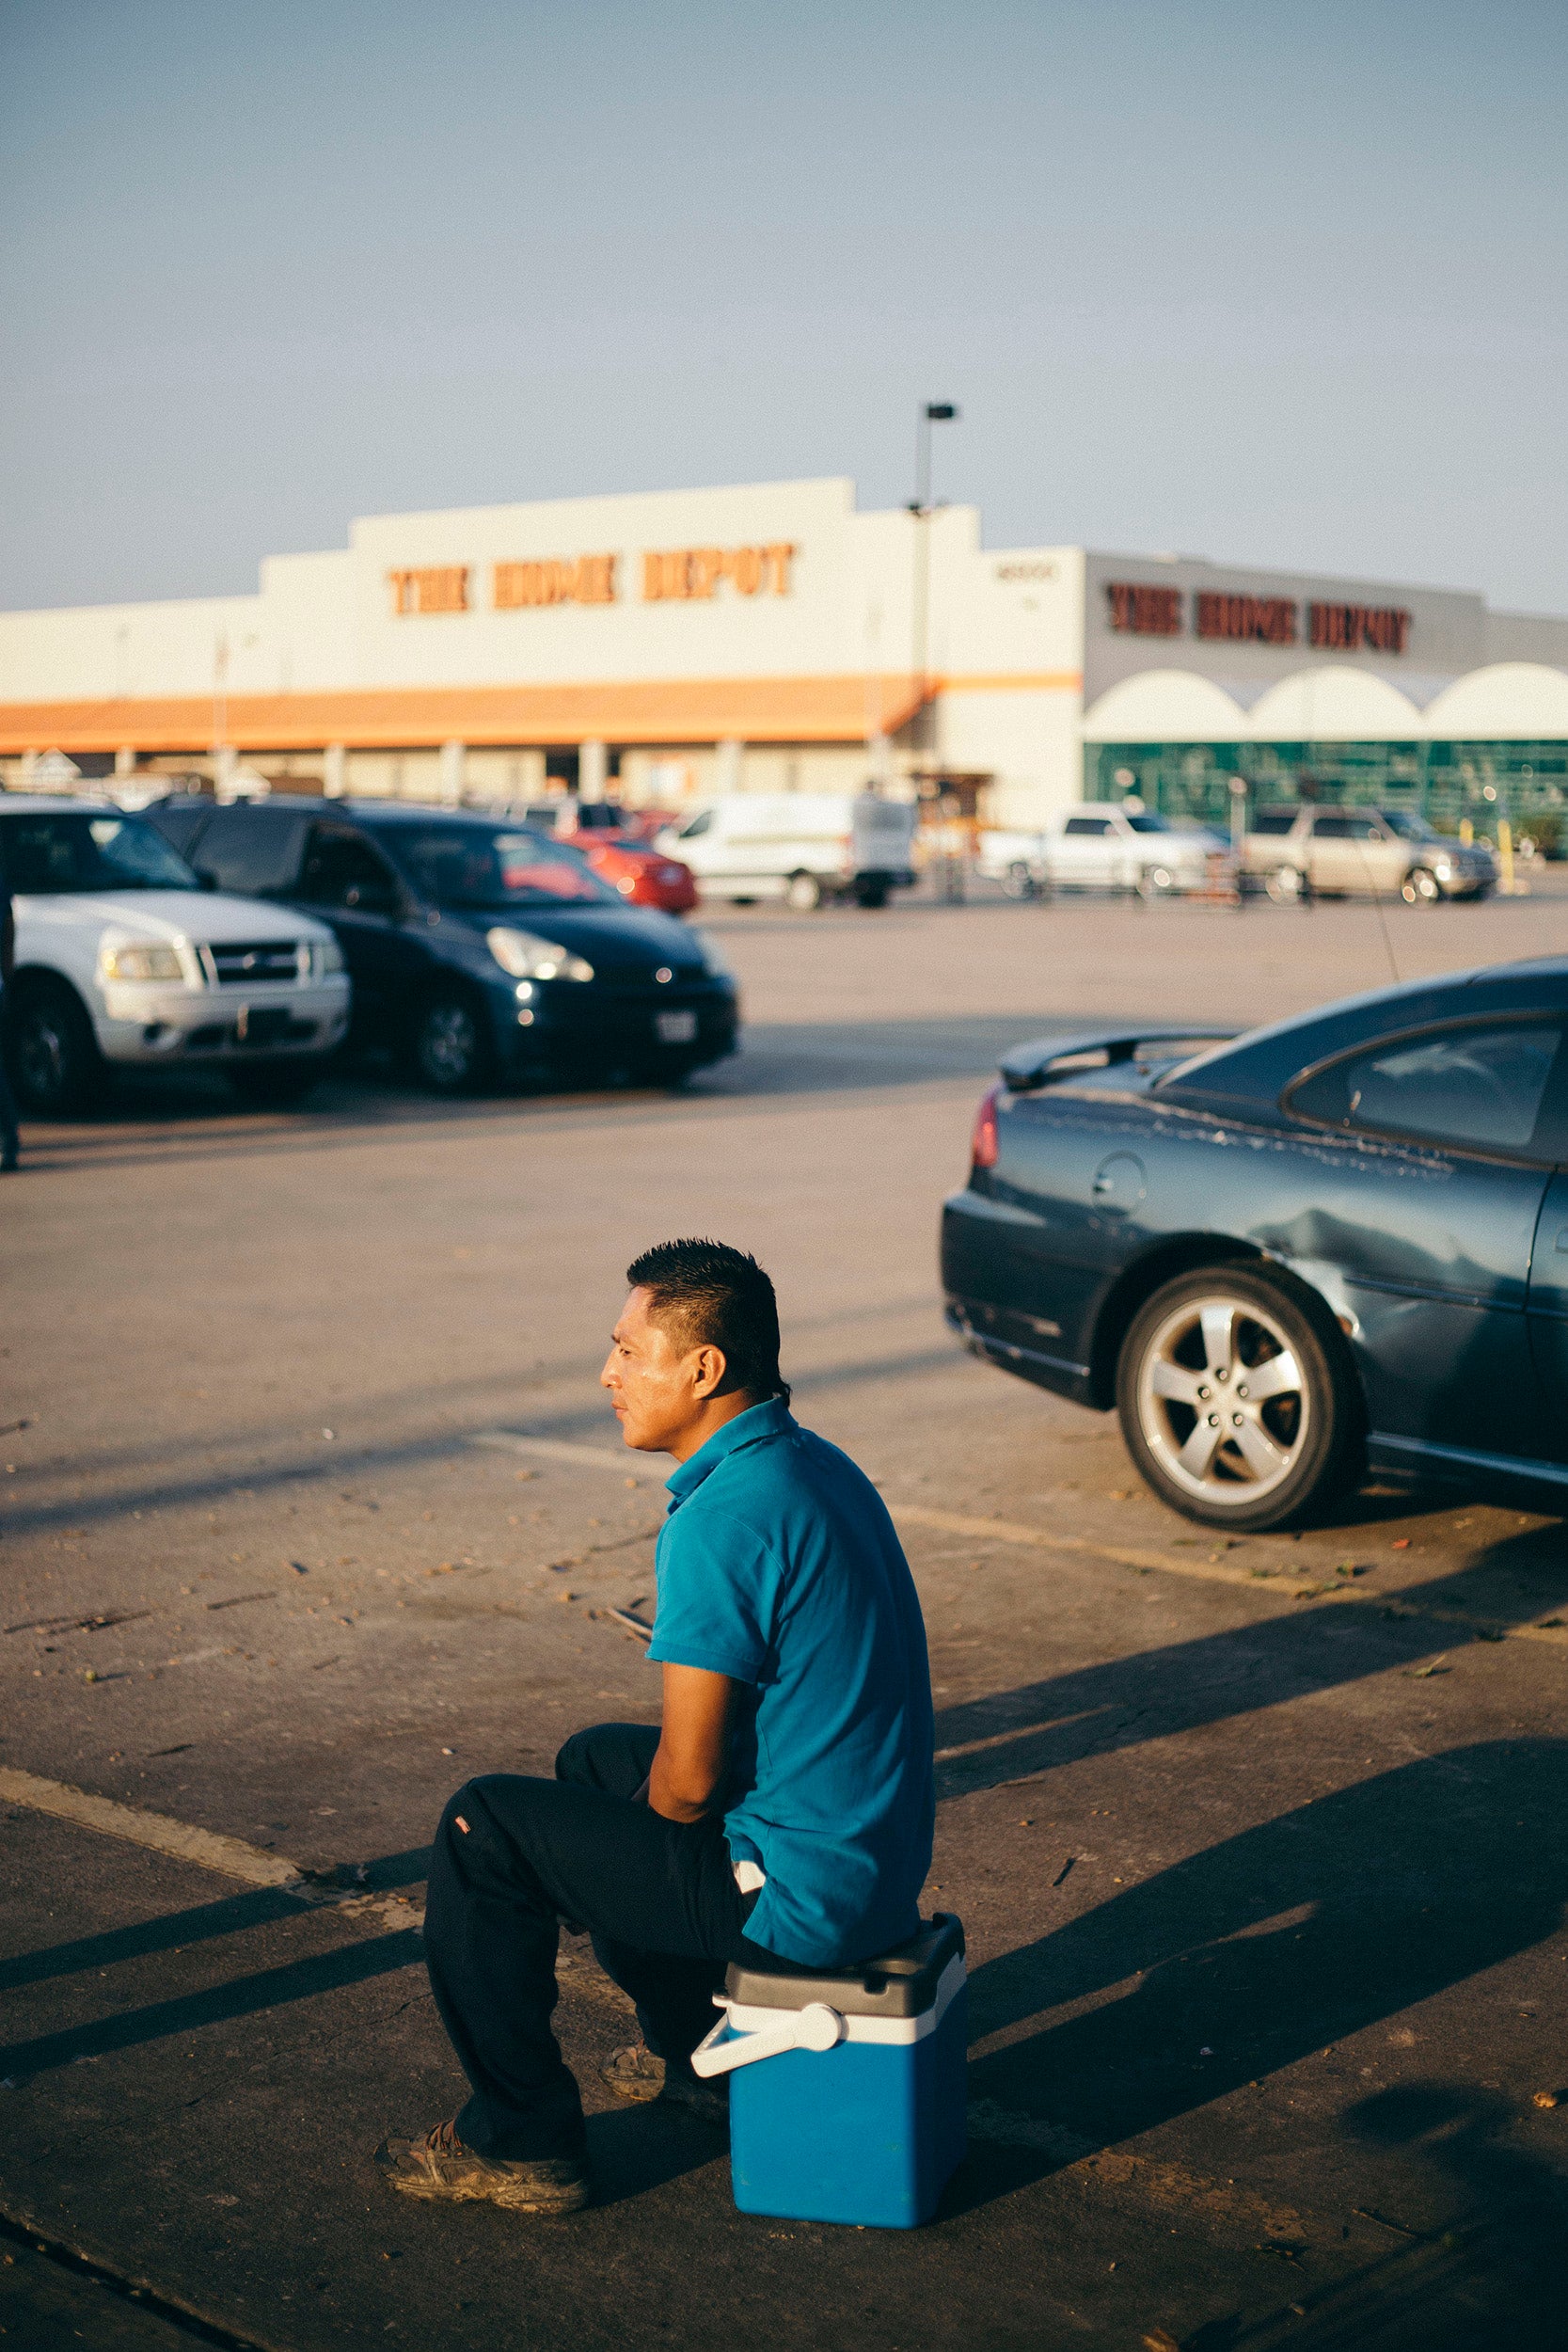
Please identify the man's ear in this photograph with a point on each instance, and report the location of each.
(712, 1370)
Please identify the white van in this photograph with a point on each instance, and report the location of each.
(799, 847)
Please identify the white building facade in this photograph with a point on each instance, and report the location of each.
(668, 646)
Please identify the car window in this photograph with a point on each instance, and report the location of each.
(251, 851)
(180, 826)
(343, 869)
(1275, 819)
(699, 824)
(1479, 1085)
(1347, 829)
(460, 864)
(1087, 825)
(1408, 826)
(46, 855)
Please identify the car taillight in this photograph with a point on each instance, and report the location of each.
(983, 1151)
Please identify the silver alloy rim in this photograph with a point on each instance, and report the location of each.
(1222, 1404)
(447, 1048)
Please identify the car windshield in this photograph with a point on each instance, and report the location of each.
(1148, 823)
(44, 855)
(464, 864)
(1408, 827)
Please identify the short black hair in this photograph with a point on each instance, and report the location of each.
(715, 1296)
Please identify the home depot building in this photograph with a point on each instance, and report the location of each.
(769, 638)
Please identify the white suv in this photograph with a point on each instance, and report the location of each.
(124, 961)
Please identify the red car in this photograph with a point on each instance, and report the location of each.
(610, 838)
(643, 877)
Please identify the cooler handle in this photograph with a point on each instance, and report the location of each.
(815, 2027)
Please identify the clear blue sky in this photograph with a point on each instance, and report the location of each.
(1282, 285)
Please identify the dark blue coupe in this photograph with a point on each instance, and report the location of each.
(1339, 1239)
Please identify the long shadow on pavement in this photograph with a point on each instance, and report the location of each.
(1281, 1941)
(1124, 1702)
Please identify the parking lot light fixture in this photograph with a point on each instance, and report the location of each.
(931, 412)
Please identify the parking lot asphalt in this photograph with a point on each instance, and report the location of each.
(311, 1507)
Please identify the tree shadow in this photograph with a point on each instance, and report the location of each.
(1491, 2272)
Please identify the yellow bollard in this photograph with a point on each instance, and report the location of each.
(1466, 831)
(1510, 888)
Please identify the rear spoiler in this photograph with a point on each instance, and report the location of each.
(1035, 1065)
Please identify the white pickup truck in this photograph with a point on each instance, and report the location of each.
(124, 961)
(1103, 845)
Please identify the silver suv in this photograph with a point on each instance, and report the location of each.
(1363, 852)
(124, 959)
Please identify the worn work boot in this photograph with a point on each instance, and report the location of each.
(439, 2168)
(635, 2073)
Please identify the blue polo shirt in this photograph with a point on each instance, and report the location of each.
(778, 1566)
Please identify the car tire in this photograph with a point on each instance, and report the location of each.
(1197, 1430)
(273, 1085)
(52, 1054)
(1018, 883)
(1156, 881)
(447, 1049)
(804, 893)
(871, 895)
(1287, 886)
(1421, 887)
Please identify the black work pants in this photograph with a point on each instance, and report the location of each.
(514, 1856)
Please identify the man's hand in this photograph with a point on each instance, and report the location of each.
(693, 1751)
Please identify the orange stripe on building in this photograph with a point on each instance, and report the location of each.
(1010, 682)
(830, 710)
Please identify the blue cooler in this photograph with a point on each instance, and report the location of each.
(846, 2085)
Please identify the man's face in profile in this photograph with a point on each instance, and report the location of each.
(653, 1385)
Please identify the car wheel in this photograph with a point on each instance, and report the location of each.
(1156, 881)
(1420, 887)
(448, 1048)
(802, 892)
(1018, 883)
(53, 1054)
(1233, 1407)
(871, 895)
(272, 1086)
(1285, 885)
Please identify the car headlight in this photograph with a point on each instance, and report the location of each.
(527, 957)
(1443, 870)
(326, 957)
(136, 961)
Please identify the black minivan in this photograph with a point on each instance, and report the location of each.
(479, 951)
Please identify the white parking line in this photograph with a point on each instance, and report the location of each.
(562, 1449)
(1217, 1572)
(211, 1849)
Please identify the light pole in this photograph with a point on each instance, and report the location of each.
(929, 413)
